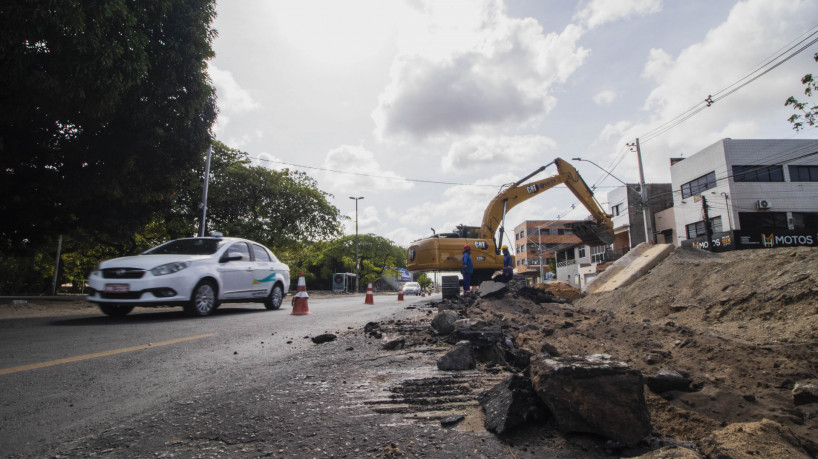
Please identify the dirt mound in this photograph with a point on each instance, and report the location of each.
(561, 290)
(742, 326)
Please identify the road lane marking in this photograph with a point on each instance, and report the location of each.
(34, 366)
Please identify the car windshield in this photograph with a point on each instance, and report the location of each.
(193, 246)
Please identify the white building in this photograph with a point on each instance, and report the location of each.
(756, 193)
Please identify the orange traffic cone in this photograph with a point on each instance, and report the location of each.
(400, 296)
(369, 298)
(300, 306)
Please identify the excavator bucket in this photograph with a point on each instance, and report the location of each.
(593, 233)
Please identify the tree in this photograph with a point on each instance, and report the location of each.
(105, 105)
(378, 256)
(424, 281)
(808, 114)
(283, 209)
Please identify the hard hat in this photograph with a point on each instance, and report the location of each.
(504, 247)
(466, 247)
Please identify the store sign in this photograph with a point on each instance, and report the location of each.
(720, 242)
(755, 239)
(779, 238)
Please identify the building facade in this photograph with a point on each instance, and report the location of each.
(625, 203)
(747, 193)
(536, 240)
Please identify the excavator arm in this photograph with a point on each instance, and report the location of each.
(443, 251)
(601, 229)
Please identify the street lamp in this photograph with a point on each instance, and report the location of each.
(357, 267)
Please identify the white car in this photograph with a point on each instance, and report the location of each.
(198, 273)
(411, 288)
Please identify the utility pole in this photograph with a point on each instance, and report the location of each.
(357, 265)
(203, 204)
(542, 272)
(57, 267)
(708, 230)
(643, 193)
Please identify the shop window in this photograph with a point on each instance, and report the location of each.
(804, 173)
(804, 220)
(697, 186)
(758, 173)
(762, 220)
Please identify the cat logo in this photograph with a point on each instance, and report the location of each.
(480, 245)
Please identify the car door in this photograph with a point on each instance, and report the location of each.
(264, 272)
(237, 275)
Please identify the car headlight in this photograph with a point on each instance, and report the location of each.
(170, 268)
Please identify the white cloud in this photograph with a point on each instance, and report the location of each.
(362, 174)
(605, 97)
(754, 31)
(599, 12)
(231, 99)
(269, 161)
(502, 152)
(473, 67)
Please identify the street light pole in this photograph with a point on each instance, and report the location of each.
(357, 266)
(203, 204)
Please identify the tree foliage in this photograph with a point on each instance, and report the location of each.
(105, 105)
(377, 256)
(808, 114)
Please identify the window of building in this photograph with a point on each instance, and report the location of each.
(693, 187)
(581, 252)
(616, 210)
(697, 229)
(758, 173)
(598, 253)
(805, 220)
(762, 220)
(804, 173)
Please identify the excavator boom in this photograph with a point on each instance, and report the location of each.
(442, 252)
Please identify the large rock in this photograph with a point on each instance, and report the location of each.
(668, 380)
(804, 393)
(594, 394)
(511, 403)
(458, 359)
(443, 323)
(492, 289)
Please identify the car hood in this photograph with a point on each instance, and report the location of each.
(148, 261)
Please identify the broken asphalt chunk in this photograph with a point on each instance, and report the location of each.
(461, 357)
(594, 394)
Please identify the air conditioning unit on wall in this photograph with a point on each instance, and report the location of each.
(763, 204)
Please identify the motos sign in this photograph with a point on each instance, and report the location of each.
(761, 239)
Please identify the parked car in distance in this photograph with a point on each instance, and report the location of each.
(411, 288)
(198, 273)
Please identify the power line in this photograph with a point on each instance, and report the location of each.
(360, 174)
(761, 70)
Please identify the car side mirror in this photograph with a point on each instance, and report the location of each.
(231, 256)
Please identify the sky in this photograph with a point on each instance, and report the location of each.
(426, 108)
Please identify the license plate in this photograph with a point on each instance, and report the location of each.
(116, 288)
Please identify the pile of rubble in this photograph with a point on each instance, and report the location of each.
(645, 368)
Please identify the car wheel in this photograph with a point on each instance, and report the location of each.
(275, 299)
(203, 300)
(115, 310)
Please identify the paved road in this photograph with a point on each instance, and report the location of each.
(66, 377)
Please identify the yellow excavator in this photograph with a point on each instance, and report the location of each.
(444, 251)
